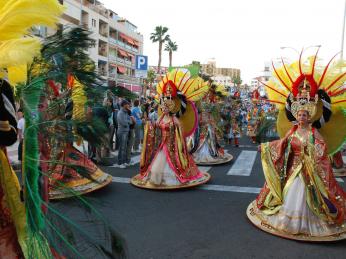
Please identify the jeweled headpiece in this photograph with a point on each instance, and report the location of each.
(303, 101)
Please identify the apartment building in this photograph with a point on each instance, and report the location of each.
(211, 69)
(117, 41)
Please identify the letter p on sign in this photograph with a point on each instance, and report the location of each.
(141, 62)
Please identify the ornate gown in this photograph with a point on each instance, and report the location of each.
(12, 213)
(301, 198)
(206, 149)
(165, 161)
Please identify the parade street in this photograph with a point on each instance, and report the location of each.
(204, 222)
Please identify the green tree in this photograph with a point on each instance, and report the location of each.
(151, 77)
(237, 80)
(171, 47)
(160, 36)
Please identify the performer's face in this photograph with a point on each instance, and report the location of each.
(165, 109)
(303, 117)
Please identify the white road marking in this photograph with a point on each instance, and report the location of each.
(207, 187)
(339, 180)
(226, 188)
(243, 164)
(120, 179)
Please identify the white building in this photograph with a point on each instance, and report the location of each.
(117, 40)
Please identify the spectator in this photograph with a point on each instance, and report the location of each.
(137, 114)
(21, 129)
(124, 122)
(131, 140)
(153, 116)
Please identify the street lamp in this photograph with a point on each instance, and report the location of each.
(312, 46)
(343, 34)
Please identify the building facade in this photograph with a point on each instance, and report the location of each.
(263, 77)
(211, 69)
(117, 41)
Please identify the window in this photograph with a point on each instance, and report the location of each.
(93, 22)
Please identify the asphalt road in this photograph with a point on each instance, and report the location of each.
(198, 222)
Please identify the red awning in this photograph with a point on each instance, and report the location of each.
(123, 53)
(136, 43)
(121, 70)
(127, 38)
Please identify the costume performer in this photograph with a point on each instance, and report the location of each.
(339, 167)
(301, 199)
(205, 149)
(165, 161)
(75, 174)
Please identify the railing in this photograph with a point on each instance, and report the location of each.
(120, 43)
(129, 63)
(112, 58)
(112, 41)
(120, 60)
(128, 79)
(102, 72)
(112, 75)
(128, 47)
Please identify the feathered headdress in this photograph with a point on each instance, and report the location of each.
(307, 85)
(177, 91)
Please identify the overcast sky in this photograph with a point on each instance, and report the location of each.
(240, 34)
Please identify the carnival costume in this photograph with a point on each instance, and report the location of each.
(165, 161)
(75, 174)
(339, 167)
(29, 226)
(205, 148)
(301, 199)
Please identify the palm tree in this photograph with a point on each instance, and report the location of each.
(161, 37)
(170, 47)
(151, 77)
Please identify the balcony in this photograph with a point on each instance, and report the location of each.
(102, 53)
(112, 75)
(120, 43)
(112, 57)
(128, 63)
(112, 41)
(102, 72)
(103, 33)
(128, 79)
(120, 60)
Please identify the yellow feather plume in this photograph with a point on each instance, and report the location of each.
(17, 74)
(18, 16)
(18, 51)
(79, 99)
(193, 88)
(331, 79)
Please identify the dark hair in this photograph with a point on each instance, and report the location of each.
(20, 110)
(7, 114)
(136, 103)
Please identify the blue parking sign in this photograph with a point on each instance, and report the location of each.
(141, 62)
